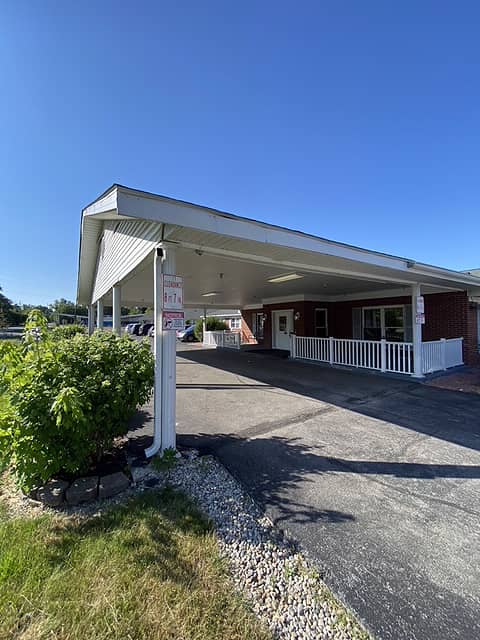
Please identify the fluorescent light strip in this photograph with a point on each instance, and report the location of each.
(210, 294)
(285, 278)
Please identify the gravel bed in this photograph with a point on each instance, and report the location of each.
(284, 591)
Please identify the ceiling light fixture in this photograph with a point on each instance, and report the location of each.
(285, 278)
(209, 294)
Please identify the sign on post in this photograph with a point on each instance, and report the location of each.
(172, 296)
(172, 303)
(420, 310)
(173, 320)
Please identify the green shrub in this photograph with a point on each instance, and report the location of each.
(213, 324)
(67, 331)
(64, 401)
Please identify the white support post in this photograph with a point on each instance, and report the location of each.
(443, 347)
(100, 314)
(157, 352)
(383, 355)
(417, 335)
(91, 319)
(169, 367)
(117, 309)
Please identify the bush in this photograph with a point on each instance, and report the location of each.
(65, 400)
(213, 324)
(67, 331)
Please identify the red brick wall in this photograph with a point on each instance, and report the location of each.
(451, 315)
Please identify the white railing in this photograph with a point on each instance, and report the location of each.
(438, 355)
(396, 357)
(223, 339)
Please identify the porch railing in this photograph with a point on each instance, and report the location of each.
(381, 355)
(439, 355)
(222, 339)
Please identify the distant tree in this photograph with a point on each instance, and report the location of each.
(8, 314)
(67, 306)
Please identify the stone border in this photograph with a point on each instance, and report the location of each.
(59, 493)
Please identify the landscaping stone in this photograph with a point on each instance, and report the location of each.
(285, 591)
(82, 490)
(112, 484)
(52, 493)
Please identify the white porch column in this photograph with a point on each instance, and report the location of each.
(117, 309)
(417, 335)
(100, 314)
(169, 367)
(164, 345)
(91, 319)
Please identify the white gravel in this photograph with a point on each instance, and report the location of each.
(284, 591)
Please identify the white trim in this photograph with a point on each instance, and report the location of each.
(252, 307)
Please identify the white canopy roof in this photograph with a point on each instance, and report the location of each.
(233, 257)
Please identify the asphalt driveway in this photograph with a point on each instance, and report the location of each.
(377, 478)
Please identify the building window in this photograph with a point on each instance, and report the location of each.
(235, 323)
(321, 323)
(391, 323)
(258, 323)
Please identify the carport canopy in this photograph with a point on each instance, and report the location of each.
(130, 237)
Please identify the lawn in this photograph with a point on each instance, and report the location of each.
(149, 569)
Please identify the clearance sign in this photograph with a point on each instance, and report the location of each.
(172, 303)
(172, 295)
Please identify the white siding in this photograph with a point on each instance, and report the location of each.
(122, 247)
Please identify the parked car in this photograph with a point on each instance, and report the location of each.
(187, 334)
(146, 327)
(133, 328)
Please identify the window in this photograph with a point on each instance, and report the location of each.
(320, 323)
(391, 323)
(258, 323)
(235, 323)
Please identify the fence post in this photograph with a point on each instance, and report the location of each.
(293, 345)
(443, 353)
(331, 346)
(383, 355)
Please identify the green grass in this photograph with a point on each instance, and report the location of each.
(146, 570)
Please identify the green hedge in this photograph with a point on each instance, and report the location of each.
(65, 400)
(212, 324)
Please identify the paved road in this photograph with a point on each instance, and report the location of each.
(377, 478)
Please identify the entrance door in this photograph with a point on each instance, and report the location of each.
(282, 328)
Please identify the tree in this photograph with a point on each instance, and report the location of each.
(9, 314)
(68, 307)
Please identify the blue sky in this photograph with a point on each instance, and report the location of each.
(356, 121)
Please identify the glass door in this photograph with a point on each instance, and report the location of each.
(394, 324)
(372, 324)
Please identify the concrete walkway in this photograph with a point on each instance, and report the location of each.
(377, 478)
